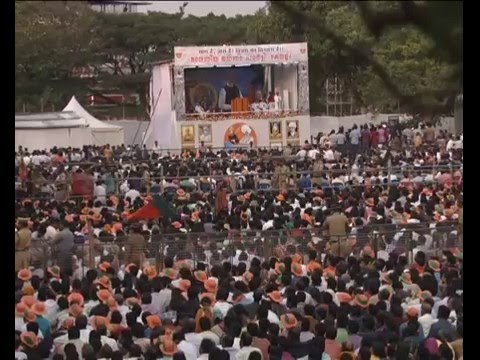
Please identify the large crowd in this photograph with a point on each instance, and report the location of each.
(349, 247)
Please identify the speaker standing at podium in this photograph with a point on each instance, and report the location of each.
(229, 92)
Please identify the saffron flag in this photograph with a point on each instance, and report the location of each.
(155, 208)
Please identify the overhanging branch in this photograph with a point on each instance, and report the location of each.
(365, 57)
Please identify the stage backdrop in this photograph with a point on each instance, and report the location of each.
(203, 85)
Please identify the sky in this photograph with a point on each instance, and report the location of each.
(202, 8)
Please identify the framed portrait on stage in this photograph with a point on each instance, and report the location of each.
(205, 133)
(293, 132)
(276, 130)
(188, 134)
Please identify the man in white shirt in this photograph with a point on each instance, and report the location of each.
(210, 335)
(189, 349)
(407, 135)
(105, 340)
(328, 154)
(45, 158)
(246, 347)
(73, 338)
(193, 338)
(76, 156)
(312, 154)
(132, 194)
(355, 138)
(228, 345)
(82, 323)
(221, 307)
(156, 148)
(100, 191)
(26, 159)
(36, 159)
(124, 187)
(51, 310)
(302, 153)
(426, 320)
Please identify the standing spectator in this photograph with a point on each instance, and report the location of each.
(337, 226)
(135, 246)
(246, 347)
(64, 247)
(23, 241)
(373, 137)
(383, 135)
(221, 199)
(341, 141)
(365, 140)
(355, 137)
(429, 134)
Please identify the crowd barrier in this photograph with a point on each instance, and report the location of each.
(234, 246)
(208, 182)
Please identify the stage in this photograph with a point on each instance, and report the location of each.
(226, 96)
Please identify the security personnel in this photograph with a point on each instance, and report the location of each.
(23, 241)
(336, 228)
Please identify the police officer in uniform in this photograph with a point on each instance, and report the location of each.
(336, 229)
(23, 241)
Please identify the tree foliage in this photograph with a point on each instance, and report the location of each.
(387, 53)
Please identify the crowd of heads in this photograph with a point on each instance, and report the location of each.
(253, 296)
(308, 306)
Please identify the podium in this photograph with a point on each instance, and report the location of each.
(239, 105)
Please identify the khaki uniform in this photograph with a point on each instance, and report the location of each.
(146, 181)
(23, 240)
(135, 249)
(281, 174)
(336, 227)
(316, 176)
(429, 135)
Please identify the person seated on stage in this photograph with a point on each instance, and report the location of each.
(271, 98)
(259, 105)
(229, 92)
(200, 109)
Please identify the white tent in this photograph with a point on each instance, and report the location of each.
(42, 131)
(102, 132)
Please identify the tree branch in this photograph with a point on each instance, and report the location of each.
(362, 55)
(410, 14)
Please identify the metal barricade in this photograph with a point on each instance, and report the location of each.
(237, 246)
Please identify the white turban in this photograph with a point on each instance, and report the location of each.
(292, 125)
(246, 129)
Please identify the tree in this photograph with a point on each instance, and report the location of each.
(408, 37)
(126, 45)
(51, 40)
(387, 53)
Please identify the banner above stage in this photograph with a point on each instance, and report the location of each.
(240, 54)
